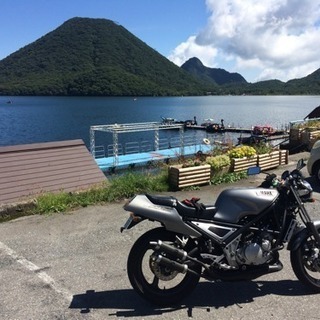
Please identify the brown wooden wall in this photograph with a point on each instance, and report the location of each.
(27, 170)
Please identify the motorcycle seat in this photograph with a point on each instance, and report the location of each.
(202, 211)
(167, 201)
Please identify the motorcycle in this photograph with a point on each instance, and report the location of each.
(237, 238)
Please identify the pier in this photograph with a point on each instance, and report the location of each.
(143, 158)
(136, 153)
(239, 130)
(141, 153)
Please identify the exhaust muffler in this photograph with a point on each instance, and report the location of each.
(173, 265)
(172, 251)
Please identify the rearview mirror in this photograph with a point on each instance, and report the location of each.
(300, 164)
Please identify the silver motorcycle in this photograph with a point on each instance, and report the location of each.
(237, 238)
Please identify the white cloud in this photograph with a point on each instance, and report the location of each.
(274, 38)
(189, 49)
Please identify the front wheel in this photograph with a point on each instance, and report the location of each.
(159, 285)
(317, 172)
(305, 263)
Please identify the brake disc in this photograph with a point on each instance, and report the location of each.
(161, 272)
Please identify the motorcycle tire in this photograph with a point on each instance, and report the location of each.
(305, 266)
(317, 172)
(155, 285)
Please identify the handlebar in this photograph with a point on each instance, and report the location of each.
(287, 177)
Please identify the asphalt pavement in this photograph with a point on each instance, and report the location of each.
(73, 266)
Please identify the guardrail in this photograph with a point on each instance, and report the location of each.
(143, 146)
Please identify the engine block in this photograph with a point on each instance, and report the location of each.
(254, 253)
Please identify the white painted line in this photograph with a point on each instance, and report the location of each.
(43, 276)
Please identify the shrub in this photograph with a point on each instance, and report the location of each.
(241, 152)
(229, 177)
(262, 148)
(191, 163)
(218, 162)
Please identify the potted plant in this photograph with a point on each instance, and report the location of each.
(219, 164)
(242, 157)
(190, 173)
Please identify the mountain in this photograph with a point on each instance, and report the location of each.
(212, 75)
(93, 57)
(235, 84)
(307, 85)
(99, 57)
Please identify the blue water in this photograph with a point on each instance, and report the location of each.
(43, 119)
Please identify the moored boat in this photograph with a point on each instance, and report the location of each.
(263, 130)
(214, 127)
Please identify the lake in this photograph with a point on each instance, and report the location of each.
(43, 119)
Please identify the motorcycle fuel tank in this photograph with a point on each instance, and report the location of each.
(234, 204)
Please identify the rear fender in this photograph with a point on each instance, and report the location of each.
(300, 236)
(168, 216)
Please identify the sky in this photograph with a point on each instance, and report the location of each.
(261, 40)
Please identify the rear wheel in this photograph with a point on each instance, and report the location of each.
(160, 285)
(305, 263)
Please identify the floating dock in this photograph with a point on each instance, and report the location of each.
(143, 158)
(141, 154)
(239, 130)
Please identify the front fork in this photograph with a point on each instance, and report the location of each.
(312, 228)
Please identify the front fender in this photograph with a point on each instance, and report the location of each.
(301, 235)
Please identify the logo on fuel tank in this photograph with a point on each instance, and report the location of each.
(266, 193)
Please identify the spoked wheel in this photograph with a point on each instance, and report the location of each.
(305, 263)
(158, 284)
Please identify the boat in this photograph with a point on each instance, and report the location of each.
(207, 122)
(189, 123)
(214, 127)
(253, 139)
(166, 120)
(263, 130)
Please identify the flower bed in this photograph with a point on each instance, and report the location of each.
(264, 161)
(241, 164)
(180, 177)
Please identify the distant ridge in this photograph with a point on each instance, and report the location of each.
(216, 75)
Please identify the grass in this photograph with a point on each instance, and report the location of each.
(229, 177)
(124, 186)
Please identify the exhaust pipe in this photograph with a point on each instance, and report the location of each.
(173, 265)
(172, 251)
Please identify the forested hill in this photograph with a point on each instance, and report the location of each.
(93, 57)
(87, 56)
(214, 75)
(235, 84)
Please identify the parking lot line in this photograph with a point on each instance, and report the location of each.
(43, 276)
